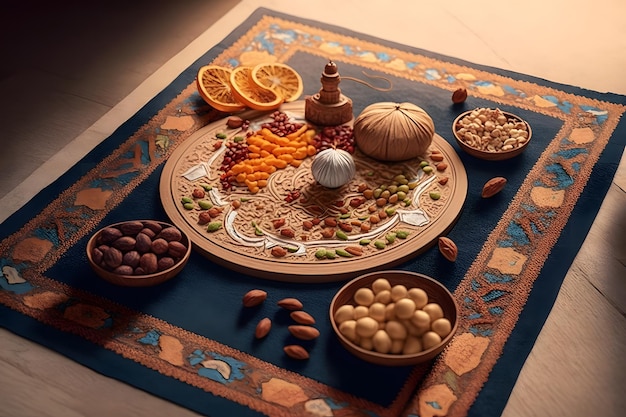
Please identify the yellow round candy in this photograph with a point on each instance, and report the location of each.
(396, 346)
(380, 284)
(383, 296)
(434, 311)
(366, 343)
(343, 313)
(364, 296)
(405, 307)
(412, 344)
(396, 330)
(430, 339)
(412, 329)
(419, 296)
(390, 311)
(442, 327)
(377, 311)
(348, 329)
(421, 319)
(382, 342)
(398, 291)
(366, 327)
(361, 311)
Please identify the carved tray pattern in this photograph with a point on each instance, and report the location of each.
(248, 232)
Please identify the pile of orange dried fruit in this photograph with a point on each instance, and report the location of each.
(269, 152)
(261, 87)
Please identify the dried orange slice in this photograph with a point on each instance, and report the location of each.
(280, 78)
(213, 83)
(252, 95)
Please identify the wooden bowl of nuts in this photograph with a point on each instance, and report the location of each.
(138, 253)
(491, 134)
(394, 318)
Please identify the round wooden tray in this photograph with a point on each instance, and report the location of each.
(248, 223)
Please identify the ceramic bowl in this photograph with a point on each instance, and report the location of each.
(437, 293)
(496, 155)
(137, 280)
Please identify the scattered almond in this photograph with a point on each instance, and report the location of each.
(296, 352)
(493, 187)
(304, 332)
(290, 304)
(448, 248)
(302, 317)
(253, 298)
(263, 328)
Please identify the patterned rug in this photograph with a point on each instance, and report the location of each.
(189, 341)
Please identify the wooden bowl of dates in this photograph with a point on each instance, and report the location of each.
(138, 253)
(491, 134)
(394, 317)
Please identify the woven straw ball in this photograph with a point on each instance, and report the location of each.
(389, 131)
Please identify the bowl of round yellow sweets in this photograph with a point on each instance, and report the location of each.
(394, 318)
